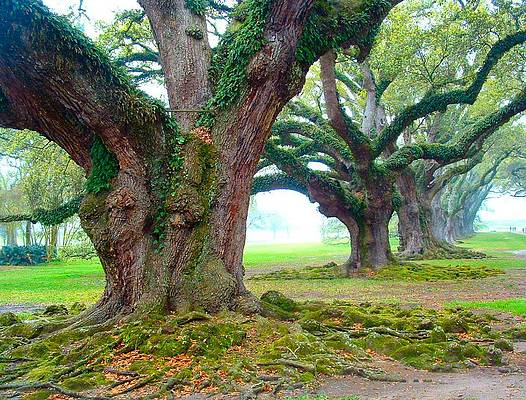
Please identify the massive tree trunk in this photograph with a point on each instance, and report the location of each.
(374, 247)
(370, 233)
(414, 235)
(422, 223)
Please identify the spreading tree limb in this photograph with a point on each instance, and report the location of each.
(439, 101)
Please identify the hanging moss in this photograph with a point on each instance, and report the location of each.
(59, 214)
(232, 56)
(104, 167)
(329, 25)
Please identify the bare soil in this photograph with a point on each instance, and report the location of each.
(482, 383)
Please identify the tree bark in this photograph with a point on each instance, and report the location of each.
(369, 232)
(422, 223)
(27, 236)
(11, 234)
(182, 38)
(414, 238)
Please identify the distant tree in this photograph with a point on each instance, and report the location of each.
(41, 184)
(333, 231)
(11, 202)
(361, 129)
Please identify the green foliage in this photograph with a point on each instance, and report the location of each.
(23, 255)
(130, 42)
(340, 22)
(195, 32)
(59, 214)
(402, 272)
(47, 185)
(104, 167)
(334, 231)
(198, 7)
(77, 251)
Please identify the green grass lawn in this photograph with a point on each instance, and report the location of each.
(56, 282)
(514, 306)
(495, 242)
(298, 254)
(78, 280)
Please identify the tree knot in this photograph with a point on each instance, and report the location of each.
(121, 199)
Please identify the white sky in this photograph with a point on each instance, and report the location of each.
(301, 216)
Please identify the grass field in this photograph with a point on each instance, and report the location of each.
(514, 306)
(82, 281)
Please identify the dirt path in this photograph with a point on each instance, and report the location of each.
(483, 383)
(18, 308)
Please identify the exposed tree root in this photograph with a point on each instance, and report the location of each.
(358, 333)
(371, 374)
(290, 363)
(138, 385)
(180, 354)
(30, 386)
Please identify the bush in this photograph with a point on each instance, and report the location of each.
(23, 255)
(84, 251)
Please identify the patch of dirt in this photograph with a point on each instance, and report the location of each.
(430, 294)
(481, 383)
(520, 253)
(18, 308)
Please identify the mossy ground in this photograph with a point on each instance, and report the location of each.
(411, 272)
(292, 344)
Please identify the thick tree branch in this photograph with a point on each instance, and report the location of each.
(460, 147)
(277, 181)
(320, 187)
(327, 142)
(348, 131)
(48, 217)
(439, 101)
(185, 57)
(53, 80)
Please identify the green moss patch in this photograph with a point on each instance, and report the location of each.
(424, 272)
(228, 352)
(400, 272)
(328, 271)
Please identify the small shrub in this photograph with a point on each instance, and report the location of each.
(23, 255)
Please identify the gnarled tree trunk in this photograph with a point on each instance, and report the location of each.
(421, 221)
(414, 238)
(167, 198)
